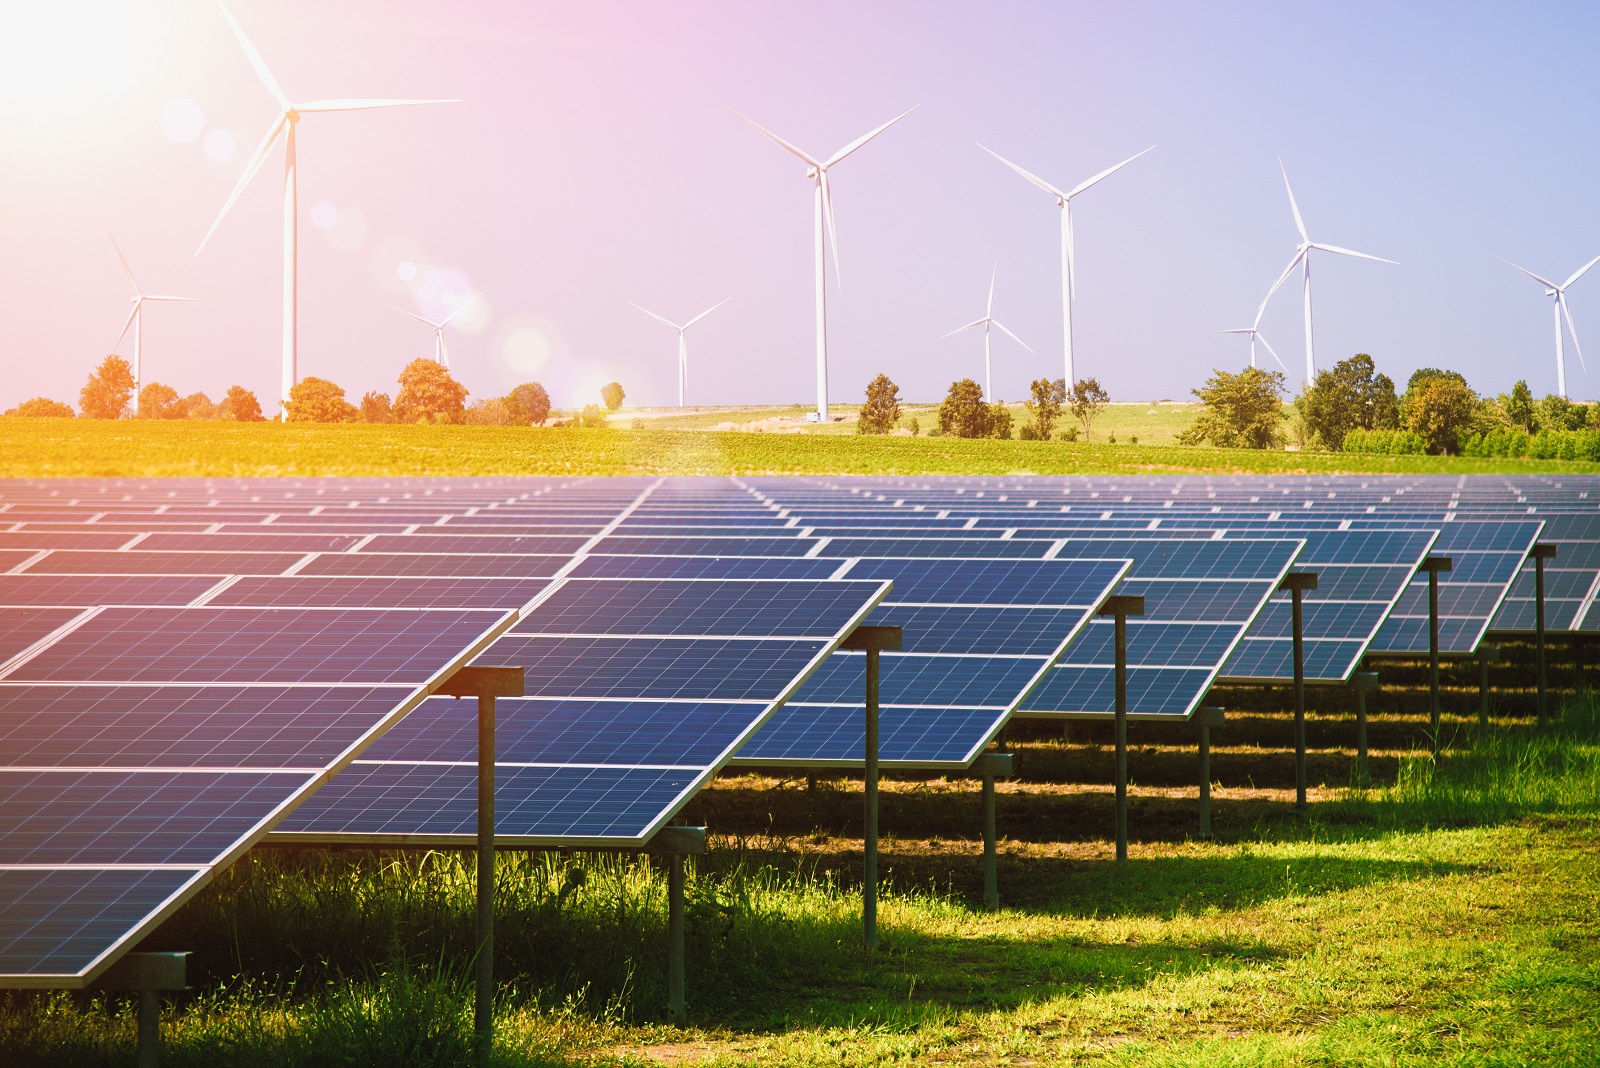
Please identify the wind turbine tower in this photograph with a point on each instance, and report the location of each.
(136, 318)
(1559, 311)
(817, 171)
(986, 322)
(683, 347)
(288, 119)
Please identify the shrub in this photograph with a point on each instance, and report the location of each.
(1565, 445)
(882, 410)
(592, 416)
(613, 396)
(1045, 408)
(159, 401)
(42, 408)
(1385, 443)
(241, 405)
(376, 407)
(1519, 406)
(1069, 433)
(1242, 411)
(1441, 410)
(1000, 420)
(427, 393)
(530, 404)
(199, 406)
(1497, 443)
(1351, 396)
(963, 413)
(110, 387)
(1087, 399)
(317, 400)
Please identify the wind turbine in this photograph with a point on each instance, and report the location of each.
(683, 347)
(288, 118)
(817, 170)
(441, 355)
(1068, 266)
(1254, 330)
(1559, 292)
(1302, 259)
(136, 316)
(986, 322)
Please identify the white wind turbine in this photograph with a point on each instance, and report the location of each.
(441, 354)
(1302, 259)
(817, 170)
(1069, 284)
(1254, 330)
(683, 346)
(986, 322)
(1559, 292)
(136, 317)
(288, 118)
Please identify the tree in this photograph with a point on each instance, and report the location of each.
(882, 410)
(1559, 413)
(592, 417)
(1351, 396)
(1000, 421)
(1045, 407)
(530, 404)
(316, 400)
(1520, 408)
(160, 401)
(490, 411)
(110, 387)
(1086, 400)
(42, 408)
(241, 406)
(1242, 411)
(1440, 410)
(199, 406)
(427, 392)
(963, 414)
(612, 394)
(376, 407)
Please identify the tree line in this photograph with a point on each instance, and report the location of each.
(965, 414)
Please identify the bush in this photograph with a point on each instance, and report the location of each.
(110, 387)
(1440, 409)
(963, 413)
(317, 400)
(530, 404)
(613, 396)
(592, 417)
(199, 406)
(1497, 443)
(376, 407)
(1385, 443)
(1069, 433)
(241, 405)
(159, 401)
(1044, 409)
(1565, 445)
(1000, 420)
(42, 408)
(1242, 411)
(428, 394)
(882, 410)
(490, 411)
(1351, 396)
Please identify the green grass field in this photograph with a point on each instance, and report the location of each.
(39, 448)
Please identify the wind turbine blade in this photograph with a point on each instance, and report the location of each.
(1034, 178)
(780, 142)
(864, 138)
(413, 315)
(459, 308)
(1287, 271)
(127, 324)
(1576, 274)
(1010, 335)
(362, 104)
(660, 319)
(1537, 278)
(1299, 223)
(707, 312)
(1352, 252)
(250, 170)
(833, 235)
(969, 326)
(255, 59)
(125, 268)
(1108, 172)
(989, 308)
(1270, 350)
(155, 296)
(1573, 330)
(1237, 330)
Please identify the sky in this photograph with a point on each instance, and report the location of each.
(592, 162)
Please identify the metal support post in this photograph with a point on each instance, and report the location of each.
(147, 975)
(872, 641)
(1486, 655)
(991, 766)
(1297, 583)
(484, 683)
(675, 1004)
(1207, 717)
(1119, 608)
(1541, 552)
(1433, 565)
(1365, 682)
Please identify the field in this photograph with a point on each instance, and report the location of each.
(1448, 915)
(38, 448)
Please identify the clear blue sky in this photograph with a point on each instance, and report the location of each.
(592, 163)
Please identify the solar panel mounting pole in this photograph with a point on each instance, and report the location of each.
(484, 683)
(872, 641)
(1364, 682)
(1433, 565)
(1119, 608)
(1540, 552)
(1297, 583)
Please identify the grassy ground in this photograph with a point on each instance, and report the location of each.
(32, 448)
(1448, 916)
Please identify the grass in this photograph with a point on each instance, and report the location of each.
(39, 448)
(1448, 917)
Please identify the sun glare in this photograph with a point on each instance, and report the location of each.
(54, 50)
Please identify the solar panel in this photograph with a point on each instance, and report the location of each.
(88, 591)
(328, 591)
(1485, 558)
(135, 562)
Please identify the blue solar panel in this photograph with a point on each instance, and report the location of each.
(251, 543)
(58, 923)
(709, 546)
(87, 591)
(991, 548)
(327, 591)
(134, 562)
(741, 608)
(721, 567)
(394, 565)
(911, 679)
(657, 668)
(474, 543)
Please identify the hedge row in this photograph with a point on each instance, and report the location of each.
(1385, 442)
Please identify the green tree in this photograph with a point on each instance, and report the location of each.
(42, 408)
(882, 410)
(1242, 411)
(199, 406)
(317, 400)
(241, 406)
(1087, 400)
(110, 387)
(612, 394)
(1045, 407)
(530, 404)
(1559, 413)
(427, 392)
(1440, 410)
(160, 401)
(1000, 421)
(592, 417)
(1351, 396)
(1520, 408)
(376, 407)
(963, 413)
